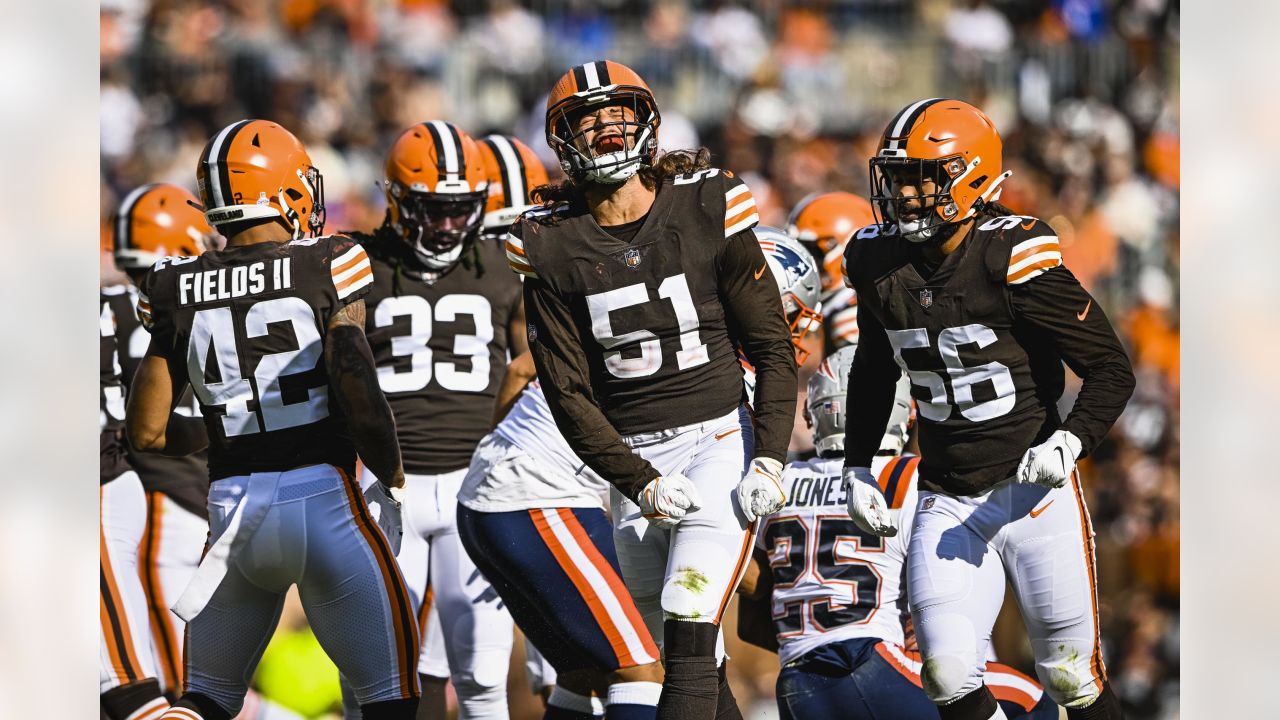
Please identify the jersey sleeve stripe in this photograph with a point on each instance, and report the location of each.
(1034, 271)
(513, 249)
(519, 265)
(342, 274)
(1034, 259)
(735, 191)
(738, 206)
(347, 259)
(355, 282)
(747, 222)
(1033, 242)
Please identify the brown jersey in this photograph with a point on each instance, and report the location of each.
(441, 346)
(245, 326)
(110, 396)
(983, 336)
(642, 334)
(184, 479)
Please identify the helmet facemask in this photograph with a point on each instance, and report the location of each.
(922, 214)
(614, 156)
(437, 226)
(313, 182)
(802, 321)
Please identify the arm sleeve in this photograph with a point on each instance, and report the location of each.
(872, 382)
(565, 378)
(758, 324)
(1055, 304)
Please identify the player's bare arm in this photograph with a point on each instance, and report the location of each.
(517, 331)
(757, 322)
(519, 372)
(354, 380)
(150, 422)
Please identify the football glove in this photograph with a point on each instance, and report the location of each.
(666, 500)
(384, 503)
(760, 492)
(866, 504)
(1051, 462)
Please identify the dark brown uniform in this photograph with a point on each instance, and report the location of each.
(441, 344)
(983, 337)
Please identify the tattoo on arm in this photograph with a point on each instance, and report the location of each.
(354, 380)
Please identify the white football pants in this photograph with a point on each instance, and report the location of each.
(690, 572)
(124, 634)
(962, 551)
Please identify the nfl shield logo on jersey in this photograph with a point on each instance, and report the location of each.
(926, 298)
(632, 258)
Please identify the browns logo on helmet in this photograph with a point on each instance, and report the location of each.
(513, 171)
(436, 190)
(587, 88)
(254, 170)
(156, 221)
(949, 153)
(823, 223)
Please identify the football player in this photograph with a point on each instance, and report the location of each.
(155, 221)
(824, 222)
(833, 600)
(443, 315)
(513, 170)
(642, 279)
(281, 304)
(128, 688)
(973, 303)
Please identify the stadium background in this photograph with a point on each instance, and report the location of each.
(792, 95)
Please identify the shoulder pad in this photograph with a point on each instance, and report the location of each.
(1032, 246)
(896, 478)
(517, 258)
(856, 247)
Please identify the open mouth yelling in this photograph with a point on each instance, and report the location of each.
(608, 144)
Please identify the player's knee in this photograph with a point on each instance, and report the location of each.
(688, 596)
(946, 678)
(1067, 684)
(481, 695)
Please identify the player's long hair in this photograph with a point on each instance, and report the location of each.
(668, 165)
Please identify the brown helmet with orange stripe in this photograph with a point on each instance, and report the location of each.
(156, 221)
(948, 156)
(616, 156)
(513, 171)
(255, 170)
(436, 189)
(823, 223)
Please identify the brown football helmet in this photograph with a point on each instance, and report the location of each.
(156, 221)
(586, 88)
(436, 189)
(513, 171)
(256, 169)
(950, 153)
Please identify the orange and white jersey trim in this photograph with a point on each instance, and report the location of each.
(351, 271)
(153, 710)
(739, 210)
(517, 258)
(1033, 257)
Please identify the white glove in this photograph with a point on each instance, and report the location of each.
(760, 492)
(666, 500)
(866, 504)
(384, 502)
(1051, 462)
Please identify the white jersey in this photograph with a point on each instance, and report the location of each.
(831, 581)
(526, 463)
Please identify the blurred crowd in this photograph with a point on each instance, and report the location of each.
(791, 95)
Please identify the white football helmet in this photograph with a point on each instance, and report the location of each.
(799, 283)
(826, 407)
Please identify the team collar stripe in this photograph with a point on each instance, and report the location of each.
(902, 124)
(580, 77)
(593, 77)
(124, 221)
(219, 177)
(602, 72)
